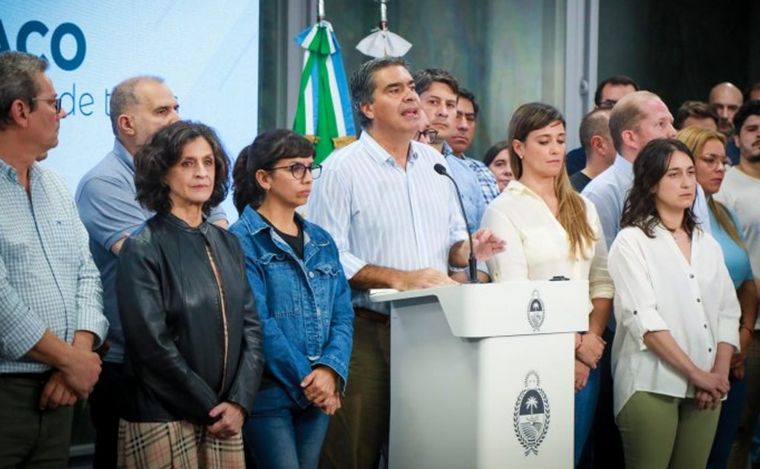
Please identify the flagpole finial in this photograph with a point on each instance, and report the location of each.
(320, 10)
(383, 15)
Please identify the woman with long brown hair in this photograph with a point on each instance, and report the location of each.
(677, 316)
(550, 231)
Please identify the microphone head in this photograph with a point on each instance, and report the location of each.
(440, 169)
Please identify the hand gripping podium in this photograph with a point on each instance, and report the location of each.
(482, 375)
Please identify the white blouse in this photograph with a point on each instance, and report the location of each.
(657, 289)
(538, 247)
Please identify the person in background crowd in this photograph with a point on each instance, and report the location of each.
(307, 334)
(497, 161)
(193, 345)
(541, 200)
(598, 146)
(740, 193)
(609, 92)
(105, 197)
(51, 312)
(439, 91)
(698, 114)
(726, 99)
(708, 148)
(753, 92)
(466, 122)
(362, 200)
(677, 317)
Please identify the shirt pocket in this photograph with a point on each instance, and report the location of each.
(324, 284)
(60, 242)
(284, 291)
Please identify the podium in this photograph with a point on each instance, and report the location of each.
(482, 375)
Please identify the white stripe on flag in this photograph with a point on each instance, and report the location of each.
(335, 95)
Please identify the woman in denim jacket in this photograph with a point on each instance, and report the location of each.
(303, 299)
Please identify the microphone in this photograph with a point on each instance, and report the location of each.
(472, 268)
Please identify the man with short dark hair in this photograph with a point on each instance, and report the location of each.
(439, 91)
(696, 114)
(740, 193)
(397, 224)
(608, 92)
(464, 131)
(139, 107)
(51, 316)
(597, 143)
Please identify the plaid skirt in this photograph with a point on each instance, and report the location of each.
(176, 445)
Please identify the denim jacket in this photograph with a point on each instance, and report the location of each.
(304, 305)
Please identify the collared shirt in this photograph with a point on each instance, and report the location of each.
(486, 179)
(657, 289)
(537, 244)
(47, 278)
(382, 214)
(740, 193)
(469, 187)
(609, 190)
(106, 199)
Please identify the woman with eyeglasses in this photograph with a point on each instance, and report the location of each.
(709, 149)
(303, 299)
(677, 317)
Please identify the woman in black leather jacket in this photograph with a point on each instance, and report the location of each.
(193, 339)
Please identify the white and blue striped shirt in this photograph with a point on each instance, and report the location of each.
(47, 278)
(384, 215)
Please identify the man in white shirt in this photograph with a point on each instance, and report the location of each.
(740, 192)
(397, 224)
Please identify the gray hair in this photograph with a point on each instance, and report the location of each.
(123, 96)
(362, 83)
(18, 80)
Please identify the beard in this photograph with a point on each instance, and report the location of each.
(753, 158)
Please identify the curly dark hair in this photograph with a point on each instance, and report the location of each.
(264, 153)
(649, 168)
(163, 151)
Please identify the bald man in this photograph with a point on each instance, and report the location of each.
(726, 98)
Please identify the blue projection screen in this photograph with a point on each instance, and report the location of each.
(208, 53)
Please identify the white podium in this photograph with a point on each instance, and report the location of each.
(482, 375)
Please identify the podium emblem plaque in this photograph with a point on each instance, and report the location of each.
(531, 414)
(536, 311)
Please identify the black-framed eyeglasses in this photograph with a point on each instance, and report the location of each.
(298, 170)
(430, 133)
(56, 102)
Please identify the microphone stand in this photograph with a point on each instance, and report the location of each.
(472, 263)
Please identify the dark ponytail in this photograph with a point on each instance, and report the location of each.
(264, 153)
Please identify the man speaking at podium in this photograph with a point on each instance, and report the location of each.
(397, 224)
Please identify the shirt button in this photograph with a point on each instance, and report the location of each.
(311, 275)
(635, 312)
(319, 311)
(705, 326)
(698, 300)
(691, 275)
(709, 349)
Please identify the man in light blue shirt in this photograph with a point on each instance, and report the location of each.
(439, 91)
(636, 119)
(51, 315)
(397, 225)
(139, 107)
